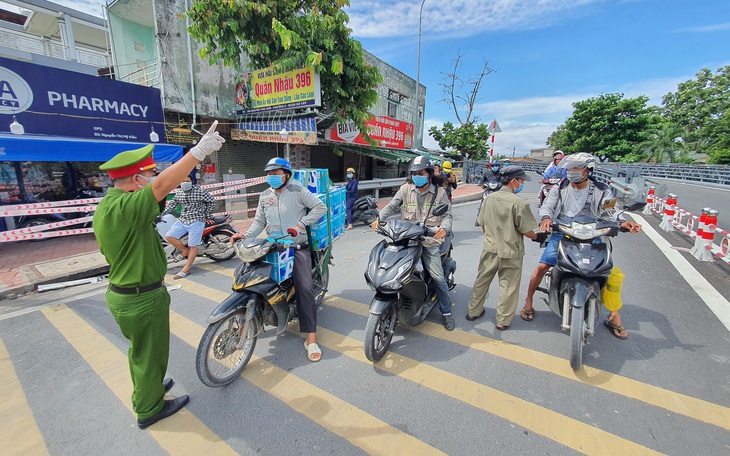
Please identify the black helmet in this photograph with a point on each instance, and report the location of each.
(421, 163)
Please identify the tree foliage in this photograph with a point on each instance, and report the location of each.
(465, 139)
(665, 142)
(607, 126)
(470, 137)
(289, 34)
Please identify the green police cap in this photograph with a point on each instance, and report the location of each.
(130, 162)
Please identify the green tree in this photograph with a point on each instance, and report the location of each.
(609, 125)
(465, 139)
(470, 137)
(665, 141)
(719, 151)
(697, 105)
(289, 34)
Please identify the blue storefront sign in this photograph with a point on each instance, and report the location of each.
(50, 101)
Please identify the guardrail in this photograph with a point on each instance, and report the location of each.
(377, 184)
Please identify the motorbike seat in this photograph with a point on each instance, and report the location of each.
(217, 220)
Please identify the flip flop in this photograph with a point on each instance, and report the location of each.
(181, 275)
(527, 314)
(613, 327)
(503, 328)
(312, 350)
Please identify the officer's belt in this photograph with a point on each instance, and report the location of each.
(136, 290)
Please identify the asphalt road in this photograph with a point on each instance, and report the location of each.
(471, 391)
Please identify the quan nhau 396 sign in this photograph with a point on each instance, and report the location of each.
(264, 90)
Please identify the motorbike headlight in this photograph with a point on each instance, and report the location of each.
(579, 230)
(396, 283)
(250, 253)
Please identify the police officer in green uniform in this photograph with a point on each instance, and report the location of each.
(137, 298)
(505, 219)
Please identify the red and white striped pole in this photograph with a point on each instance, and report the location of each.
(669, 210)
(701, 227)
(649, 201)
(704, 252)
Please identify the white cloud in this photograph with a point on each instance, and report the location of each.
(388, 18)
(706, 28)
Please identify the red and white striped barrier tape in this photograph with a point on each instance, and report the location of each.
(47, 226)
(75, 202)
(243, 195)
(249, 181)
(228, 189)
(239, 211)
(50, 210)
(47, 234)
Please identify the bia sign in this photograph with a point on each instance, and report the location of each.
(386, 131)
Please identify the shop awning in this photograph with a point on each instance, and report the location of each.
(60, 149)
(391, 155)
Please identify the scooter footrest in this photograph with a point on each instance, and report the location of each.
(544, 290)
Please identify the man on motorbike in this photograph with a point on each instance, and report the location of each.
(578, 194)
(289, 205)
(197, 207)
(510, 218)
(415, 200)
(554, 165)
(448, 180)
(491, 174)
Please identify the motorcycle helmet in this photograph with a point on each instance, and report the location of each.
(278, 163)
(421, 163)
(558, 154)
(579, 160)
(446, 166)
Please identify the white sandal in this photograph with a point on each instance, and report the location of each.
(313, 349)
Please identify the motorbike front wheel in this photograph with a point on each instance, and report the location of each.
(378, 334)
(219, 246)
(577, 335)
(225, 349)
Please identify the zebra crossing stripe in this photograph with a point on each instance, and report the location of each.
(19, 433)
(111, 365)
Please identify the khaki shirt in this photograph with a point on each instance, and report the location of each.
(505, 218)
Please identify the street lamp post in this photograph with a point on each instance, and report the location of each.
(285, 136)
(418, 74)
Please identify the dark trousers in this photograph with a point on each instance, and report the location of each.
(304, 285)
(349, 205)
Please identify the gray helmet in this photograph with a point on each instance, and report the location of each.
(421, 163)
(579, 160)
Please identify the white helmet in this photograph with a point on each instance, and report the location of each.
(579, 160)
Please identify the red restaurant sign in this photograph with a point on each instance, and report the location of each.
(386, 131)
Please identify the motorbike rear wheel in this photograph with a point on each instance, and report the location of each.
(577, 335)
(225, 349)
(378, 334)
(220, 242)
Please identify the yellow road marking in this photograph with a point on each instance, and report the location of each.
(682, 404)
(679, 403)
(19, 434)
(540, 420)
(182, 433)
(342, 418)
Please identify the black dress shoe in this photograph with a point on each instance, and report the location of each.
(470, 318)
(168, 384)
(171, 407)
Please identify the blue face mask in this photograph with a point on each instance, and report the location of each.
(275, 180)
(519, 189)
(186, 186)
(349, 176)
(495, 169)
(420, 181)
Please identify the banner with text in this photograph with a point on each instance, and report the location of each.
(55, 102)
(302, 130)
(386, 131)
(263, 90)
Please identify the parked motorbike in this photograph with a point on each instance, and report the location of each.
(547, 184)
(25, 221)
(574, 284)
(490, 186)
(364, 209)
(257, 301)
(404, 291)
(215, 243)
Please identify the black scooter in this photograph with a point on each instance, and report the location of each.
(403, 288)
(364, 209)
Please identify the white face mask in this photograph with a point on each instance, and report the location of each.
(148, 179)
(186, 186)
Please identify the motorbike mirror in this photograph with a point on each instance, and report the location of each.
(635, 206)
(441, 209)
(608, 204)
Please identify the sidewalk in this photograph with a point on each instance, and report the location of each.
(26, 264)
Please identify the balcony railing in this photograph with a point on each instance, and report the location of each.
(44, 46)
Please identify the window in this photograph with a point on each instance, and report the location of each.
(392, 109)
(138, 46)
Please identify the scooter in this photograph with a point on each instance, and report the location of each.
(547, 184)
(364, 209)
(489, 186)
(574, 284)
(257, 301)
(215, 243)
(404, 291)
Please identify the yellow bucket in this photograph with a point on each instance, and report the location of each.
(612, 291)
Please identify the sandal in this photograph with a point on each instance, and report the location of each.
(527, 314)
(181, 275)
(615, 329)
(314, 353)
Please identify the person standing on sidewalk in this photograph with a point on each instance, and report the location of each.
(137, 298)
(351, 195)
(505, 219)
(414, 200)
(197, 207)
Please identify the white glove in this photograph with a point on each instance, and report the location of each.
(209, 143)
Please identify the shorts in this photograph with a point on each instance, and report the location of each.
(193, 230)
(550, 255)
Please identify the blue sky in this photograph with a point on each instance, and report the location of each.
(547, 53)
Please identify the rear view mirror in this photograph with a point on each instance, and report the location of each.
(608, 204)
(441, 209)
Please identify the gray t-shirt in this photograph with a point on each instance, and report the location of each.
(574, 202)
